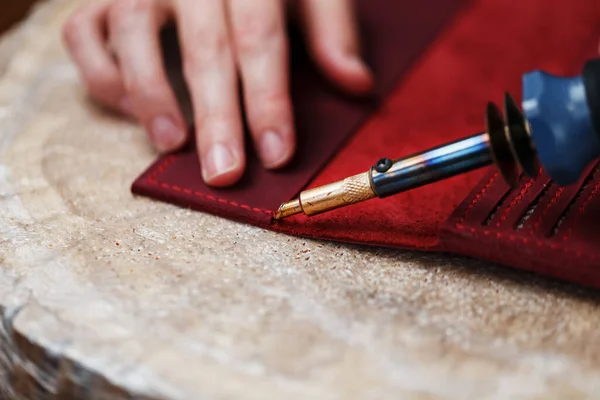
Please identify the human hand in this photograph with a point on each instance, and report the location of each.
(221, 41)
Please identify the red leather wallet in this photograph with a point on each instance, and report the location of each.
(428, 92)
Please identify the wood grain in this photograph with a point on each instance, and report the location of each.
(107, 296)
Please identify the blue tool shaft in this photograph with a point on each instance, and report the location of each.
(436, 164)
(558, 132)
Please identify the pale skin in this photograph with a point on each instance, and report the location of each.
(115, 45)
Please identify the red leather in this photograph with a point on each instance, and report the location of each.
(325, 118)
(442, 96)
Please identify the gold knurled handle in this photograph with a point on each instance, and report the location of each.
(356, 189)
(351, 190)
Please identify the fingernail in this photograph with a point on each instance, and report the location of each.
(218, 161)
(165, 133)
(272, 149)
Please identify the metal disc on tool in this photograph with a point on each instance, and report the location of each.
(519, 137)
(501, 149)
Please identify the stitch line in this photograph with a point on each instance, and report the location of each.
(525, 241)
(583, 207)
(539, 219)
(585, 204)
(161, 168)
(477, 198)
(514, 202)
(513, 238)
(590, 197)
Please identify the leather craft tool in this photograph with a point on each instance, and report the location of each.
(557, 130)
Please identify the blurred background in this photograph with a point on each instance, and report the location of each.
(12, 11)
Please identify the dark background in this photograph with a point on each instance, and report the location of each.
(12, 11)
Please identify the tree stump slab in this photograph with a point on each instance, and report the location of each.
(108, 296)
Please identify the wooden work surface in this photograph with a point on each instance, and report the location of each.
(105, 295)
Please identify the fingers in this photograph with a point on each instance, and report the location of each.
(210, 73)
(134, 32)
(331, 31)
(84, 35)
(258, 31)
(218, 38)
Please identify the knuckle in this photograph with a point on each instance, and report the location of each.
(148, 89)
(254, 34)
(208, 49)
(101, 82)
(268, 104)
(212, 118)
(122, 11)
(136, 90)
(133, 6)
(269, 98)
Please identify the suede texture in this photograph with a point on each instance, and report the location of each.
(483, 50)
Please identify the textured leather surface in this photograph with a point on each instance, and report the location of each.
(538, 226)
(481, 54)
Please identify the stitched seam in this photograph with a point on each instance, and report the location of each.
(160, 169)
(476, 199)
(583, 207)
(514, 238)
(514, 202)
(524, 240)
(539, 219)
(590, 197)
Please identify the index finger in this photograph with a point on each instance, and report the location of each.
(210, 74)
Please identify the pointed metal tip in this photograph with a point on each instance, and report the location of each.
(288, 209)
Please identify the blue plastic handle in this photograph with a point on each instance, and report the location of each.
(561, 125)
